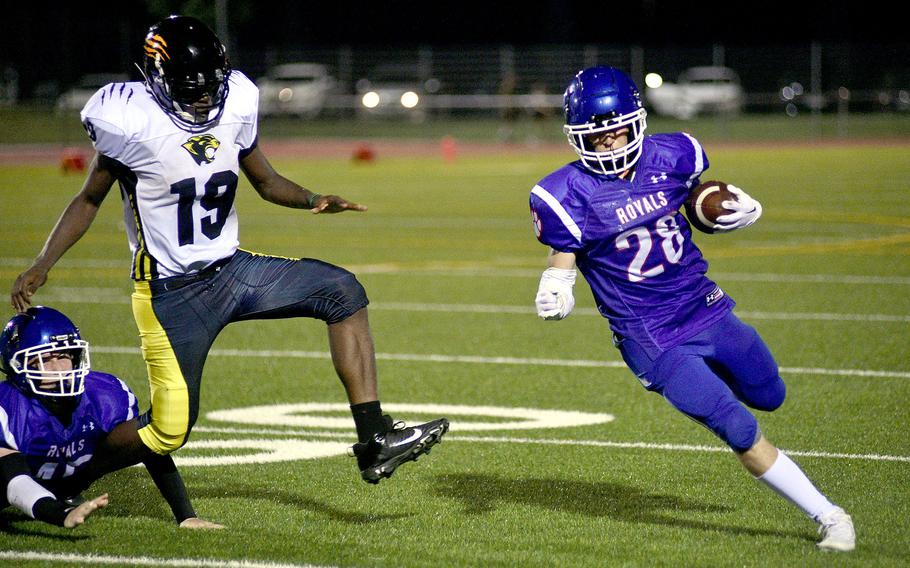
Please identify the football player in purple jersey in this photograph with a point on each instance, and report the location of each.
(55, 415)
(614, 215)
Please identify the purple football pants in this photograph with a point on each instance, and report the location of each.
(711, 376)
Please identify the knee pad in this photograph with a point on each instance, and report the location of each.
(160, 441)
(768, 396)
(346, 296)
(166, 426)
(735, 425)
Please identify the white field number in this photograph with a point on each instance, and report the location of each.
(325, 416)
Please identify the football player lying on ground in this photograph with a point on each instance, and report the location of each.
(614, 214)
(176, 144)
(55, 414)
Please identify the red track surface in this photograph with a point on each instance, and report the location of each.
(346, 148)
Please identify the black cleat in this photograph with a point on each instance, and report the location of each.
(385, 451)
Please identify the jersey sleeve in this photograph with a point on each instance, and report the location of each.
(7, 438)
(10, 417)
(112, 398)
(553, 225)
(104, 119)
(692, 159)
(245, 95)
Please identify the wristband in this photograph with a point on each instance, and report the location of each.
(311, 201)
(564, 275)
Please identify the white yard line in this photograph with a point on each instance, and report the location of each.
(89, 295)
(811, 278)
(475, 359)
(549, 442)
(86, 559)
(24, 262)
(821, 316)
(492, 270)
(500, 309)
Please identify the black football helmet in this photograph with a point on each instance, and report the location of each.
(186, 70)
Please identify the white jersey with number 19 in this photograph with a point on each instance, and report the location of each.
(177, 187)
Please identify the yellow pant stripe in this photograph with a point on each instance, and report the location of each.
(271, 255)
(170, 398)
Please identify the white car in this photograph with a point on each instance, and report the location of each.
(88, 85)
(699, 90)
(299, 89)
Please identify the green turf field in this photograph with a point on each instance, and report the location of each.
(448, 256)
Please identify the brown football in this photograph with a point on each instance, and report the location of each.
(703, 206)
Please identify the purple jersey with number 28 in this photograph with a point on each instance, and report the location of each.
(55, 450)
(632, 244)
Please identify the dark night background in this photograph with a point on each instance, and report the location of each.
(56, 42)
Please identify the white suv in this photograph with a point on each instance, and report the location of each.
(699, 90)
(298, 89)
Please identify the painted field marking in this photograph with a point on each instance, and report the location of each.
(496, 271)
(87, 559)
(504, 270)
(474, 359)
(530, 310)
(264, 451)
(290, 417)
(811, 278)
(308, 414)
(543, 441)
(314, 415)
(114, 296)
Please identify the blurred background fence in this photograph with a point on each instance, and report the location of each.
(868, 77)
(876, 77)
(511, 82)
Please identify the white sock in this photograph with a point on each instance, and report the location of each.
(789, 481)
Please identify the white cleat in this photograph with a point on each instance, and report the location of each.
(836, 530)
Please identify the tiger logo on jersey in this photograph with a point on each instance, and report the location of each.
(202, 148)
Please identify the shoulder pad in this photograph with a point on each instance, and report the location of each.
(554, 225)
(106, 116)
(244, 94)
(681, 151)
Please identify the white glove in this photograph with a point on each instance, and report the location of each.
(554, 295)
(746, 211)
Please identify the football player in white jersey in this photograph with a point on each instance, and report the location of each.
(175, 144)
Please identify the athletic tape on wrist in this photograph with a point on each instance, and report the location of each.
(23, 492)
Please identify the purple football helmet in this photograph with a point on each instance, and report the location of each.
(600, 99)
(30, 340)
